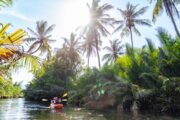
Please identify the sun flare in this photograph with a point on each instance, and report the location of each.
(75, 14)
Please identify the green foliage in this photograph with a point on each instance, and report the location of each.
(56, 79)
(155, 72)
(92, 84)
(147, 76)
(7, 89)
(11, 54)
(51, 83)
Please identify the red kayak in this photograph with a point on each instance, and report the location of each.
(56, 106)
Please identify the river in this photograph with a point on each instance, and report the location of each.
(19, 109)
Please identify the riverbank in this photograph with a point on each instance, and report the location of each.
(12, 97)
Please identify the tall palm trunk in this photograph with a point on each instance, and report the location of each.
(174, 23)
(172, 18)
(115, 56)
(88, 61)
(97, 51)
(131, 38)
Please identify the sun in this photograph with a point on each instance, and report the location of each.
(75, 14)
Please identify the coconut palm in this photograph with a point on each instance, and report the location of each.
(72, 48)
(41, 38)
(99, 18)
(114, 50)
(130, 20)
(171, 10)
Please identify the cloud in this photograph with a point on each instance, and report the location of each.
(16, 14)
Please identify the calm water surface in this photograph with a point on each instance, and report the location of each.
(19, 109)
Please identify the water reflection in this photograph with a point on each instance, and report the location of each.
(19, 109)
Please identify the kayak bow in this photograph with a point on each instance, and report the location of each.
(56, 106)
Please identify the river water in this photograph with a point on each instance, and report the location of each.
(19, 109)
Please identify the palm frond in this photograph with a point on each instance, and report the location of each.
(150, 45)
(49, 29)
(118, 28)
(4, 3)
(10, 43)
(30, 62)
(143, 22)
(125, 32)
(106, 7)
(136, 31)
(157, 9)
(140, 12)
(32, 32)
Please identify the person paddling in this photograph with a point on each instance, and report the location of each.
(62, 100)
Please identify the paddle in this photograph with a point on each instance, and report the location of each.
(44, 100)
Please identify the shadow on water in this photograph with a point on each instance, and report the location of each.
(19, 109)
(135, 115)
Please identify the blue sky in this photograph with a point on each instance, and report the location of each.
(68, 14)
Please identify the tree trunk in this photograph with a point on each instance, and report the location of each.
(115, 56)
(174, 24)
(97, 44)
(97, 51)
(131, 39)
(98, 55)
(173, 21)
(88, 61)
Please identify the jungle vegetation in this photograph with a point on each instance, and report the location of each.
(146, 77)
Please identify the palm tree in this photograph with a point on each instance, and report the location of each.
(114, 50)
(130, 20)
(71, 49)
(99, 18)
(171, 10)
(41, 38)
(88, 47)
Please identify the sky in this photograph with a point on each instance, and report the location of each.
(67, 15)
